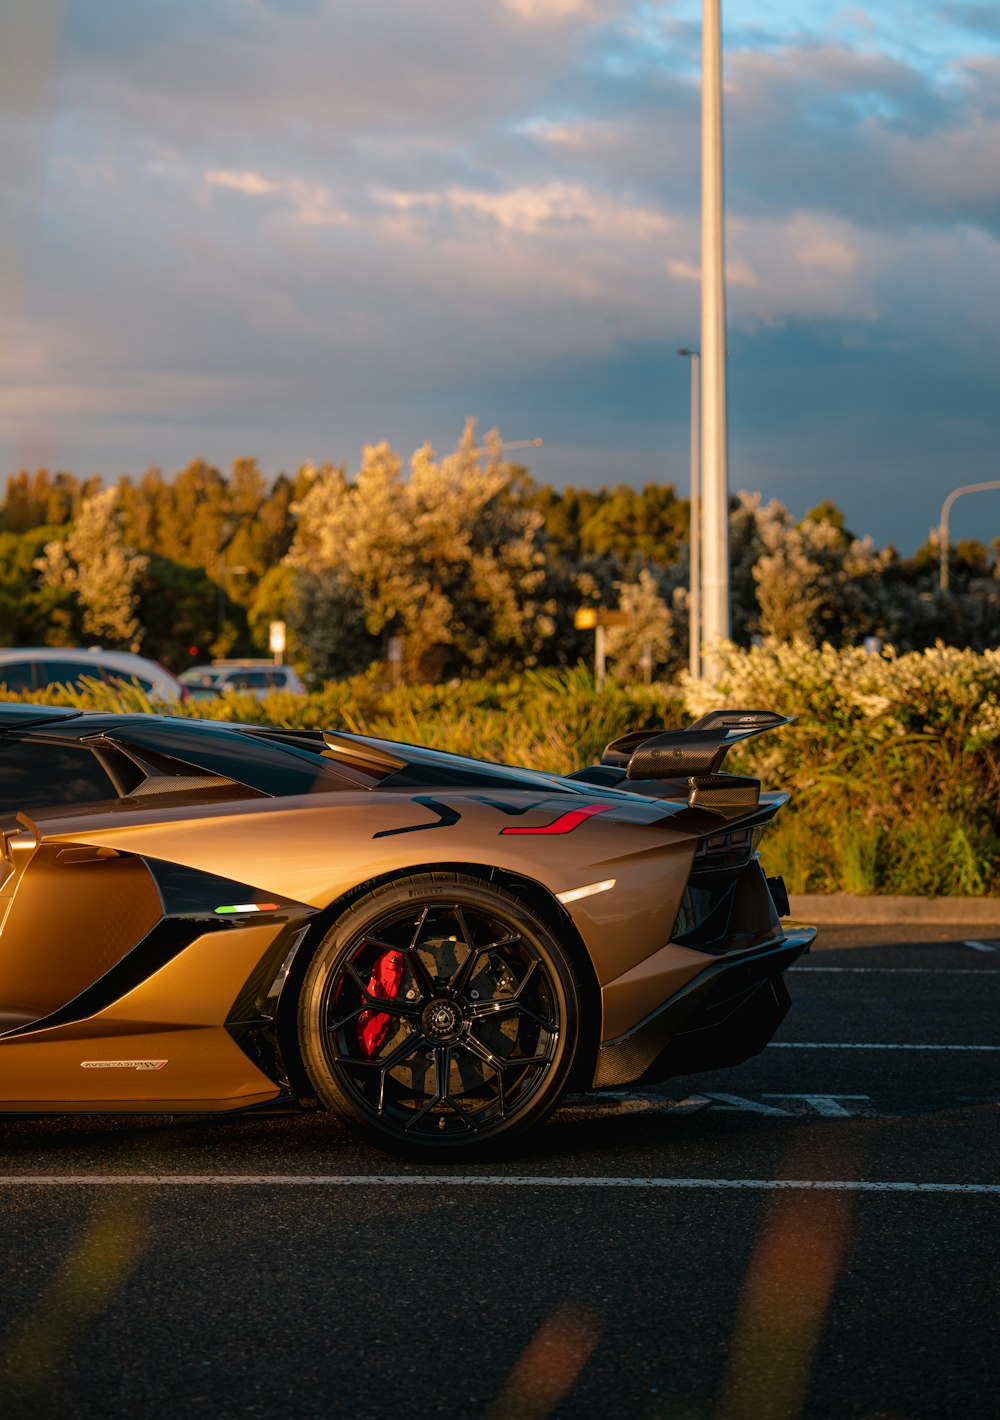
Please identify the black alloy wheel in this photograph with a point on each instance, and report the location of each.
(439, 1016)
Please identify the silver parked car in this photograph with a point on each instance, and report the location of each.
(32, 668)
(257, 677)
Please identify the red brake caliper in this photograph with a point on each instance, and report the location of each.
(387, 973)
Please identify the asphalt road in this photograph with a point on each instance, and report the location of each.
(636, 1259)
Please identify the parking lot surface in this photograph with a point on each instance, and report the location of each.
(814, 1233)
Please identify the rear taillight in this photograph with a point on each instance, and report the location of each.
(724, 850)
(727, 903)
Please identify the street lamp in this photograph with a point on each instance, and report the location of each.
(511, 444)
(694, 600)
(943, 524)
(224, 570)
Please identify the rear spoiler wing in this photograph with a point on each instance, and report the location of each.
(694, 754)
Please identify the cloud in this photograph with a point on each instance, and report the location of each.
(311, 203)
(548, 12)
(819, 246)
(250, 183)
(540, 211)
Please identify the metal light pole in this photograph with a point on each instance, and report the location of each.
(694, 536)
(224, 571)
(943, 524)
(715, 483)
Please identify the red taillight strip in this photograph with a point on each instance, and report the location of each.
(565, 823)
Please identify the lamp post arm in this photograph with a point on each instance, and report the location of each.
(510, 444)
(946, 507)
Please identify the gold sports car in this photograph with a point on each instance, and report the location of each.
(202, 917)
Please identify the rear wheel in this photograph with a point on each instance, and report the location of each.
(439, 1016)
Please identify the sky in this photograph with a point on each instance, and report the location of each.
(288, 228)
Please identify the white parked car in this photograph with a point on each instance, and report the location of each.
(258, 677)
(31, 668)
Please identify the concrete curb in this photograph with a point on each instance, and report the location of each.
(846, 908)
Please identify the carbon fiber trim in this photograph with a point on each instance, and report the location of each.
(725, 793)
(180, 784)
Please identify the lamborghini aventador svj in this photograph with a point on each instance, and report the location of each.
(204, 917)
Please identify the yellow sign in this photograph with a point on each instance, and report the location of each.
(587, 617)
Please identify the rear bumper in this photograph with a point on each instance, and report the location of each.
(727, 1013)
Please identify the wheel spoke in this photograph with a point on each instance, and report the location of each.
(542, 1021)
(421, 1112)
(499, 1062)
(463, 975)
(458, 983)
(422, 977)
(442, 1070)
(378, 942)
(463, 1114)
(392, 1006)
(345, 1020)
(484, 1010)
(503, 942)
(484, 1053)
(418, 928)
(527, 977)
(395, 1057)
(352, 972)
(489, 1010)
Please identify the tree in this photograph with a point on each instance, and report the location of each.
(95, 563)
(634, 528)
(445, 560)
(637, 528)
(31, 614)
(788, 577)
(177, 605)
(650, 624)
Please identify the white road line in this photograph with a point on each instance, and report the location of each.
(909, 970)
(982, 946)
(865, 1045)
(445, 1180)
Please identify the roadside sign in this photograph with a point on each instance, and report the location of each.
(587, 617)
(276, 638)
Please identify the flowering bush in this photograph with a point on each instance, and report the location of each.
(893, 763)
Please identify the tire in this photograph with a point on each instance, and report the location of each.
(439, 1017)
